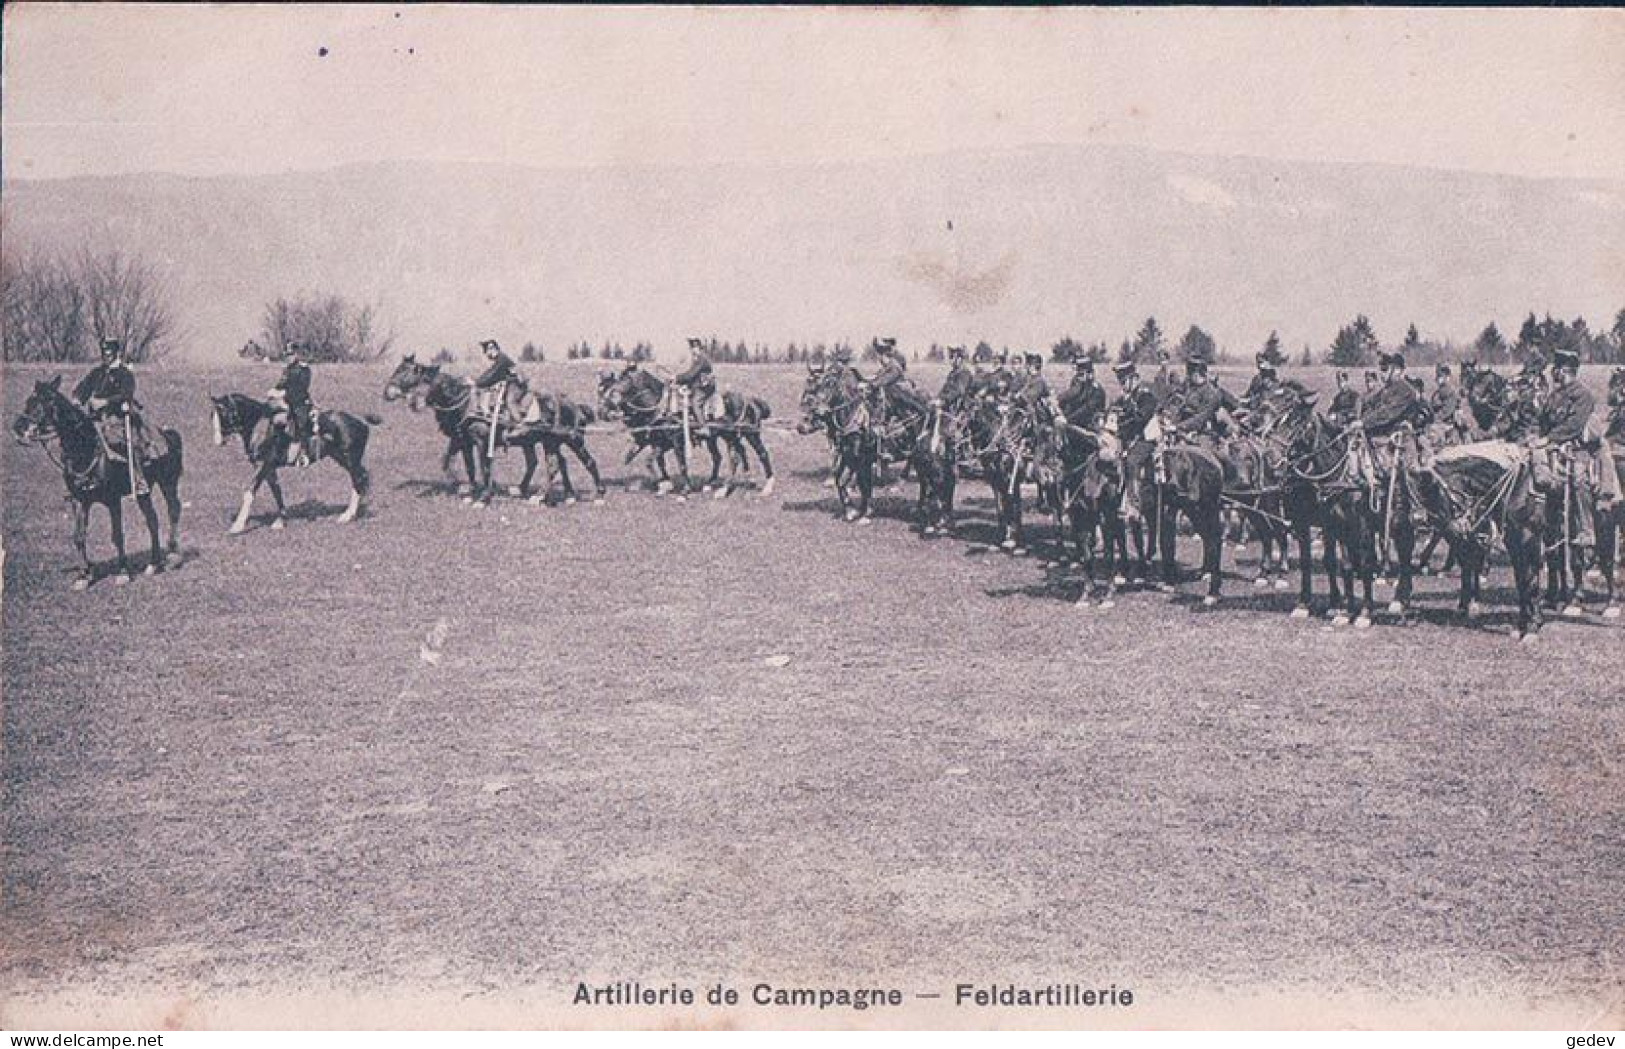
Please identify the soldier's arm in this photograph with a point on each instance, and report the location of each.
(1570, 426)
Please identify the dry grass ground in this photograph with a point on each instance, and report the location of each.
(742, 740)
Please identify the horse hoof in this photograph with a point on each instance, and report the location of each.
(1396, 608)
(345, 518)
(1165, 588)
(1210, 601)
(681, 497)
(150, 570)
(1261, 583)
(851, 515)
(1082, 603)
(82, 583)
(705, 488)
(1018, 551)
(720, 493)
(1363, 623)
(1107, 605)
(767, 489)
(121, 579)
(515, 491)
(1529, 637)
(1301, 612)
(1008, 544)
(1118, 580)
(1593, 575)
(1340, 620)
(1611, 612)
(235, 529)
(598, 501)
(929, 530)
(1473, 610)
(570, 501)
(1282, 584)
(468, 500)
(866, 520)
(1574, 612)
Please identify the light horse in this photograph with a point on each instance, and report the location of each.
(93, 477)
(342, 438)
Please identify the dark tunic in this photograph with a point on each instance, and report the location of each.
(1393, 404)
(1199, 410)
(113, 384)
(957, 386)
(1083, 403)
(1564, 416)
(502, 369)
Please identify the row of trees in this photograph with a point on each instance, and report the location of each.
(1357, 344)
(60, 306)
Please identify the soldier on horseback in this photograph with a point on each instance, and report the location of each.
(1394, 403)
(1446, 398)
(699, 385)
(1031, 387)
(1264, 382)
(1563, 434)
(108, 393)
(1200, 414)
(292, 411)
(1083, 404)
(1345, 406)
(894, 393)
(960, 383)
(1135, 407)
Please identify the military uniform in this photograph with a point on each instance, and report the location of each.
(108, 393)
(1198, 413)
(892, 384)
(1135, 409)
(1084, 402)
(959, 384)
(294, 386)
(1392, 405)
(1031, 388)
(1562, 421)
(1264, 383)
(1446, 400)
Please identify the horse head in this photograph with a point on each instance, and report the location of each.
(408, 376)
(39, 418)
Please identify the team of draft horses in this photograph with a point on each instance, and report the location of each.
(1528, 459)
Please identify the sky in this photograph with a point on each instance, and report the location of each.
(193, 90)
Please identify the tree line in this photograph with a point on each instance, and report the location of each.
(57, 307)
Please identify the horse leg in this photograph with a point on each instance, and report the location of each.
(115, 520)
(527, 450)
(866, 485)
(1607, 558)
(81, 525)
(716, 463)
(1212, 531)
(358, 489)
(1404, 549)
(1367, 561)
(172, 503)
(275, 484)
(1306, 569)
(267, 465)
(578, 445)
(155, 559)
(445, 464)
(1167, 536)
(754, 437)
(570, 496)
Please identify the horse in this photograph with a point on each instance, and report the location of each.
(342, 438)
(561, 422)
(93, 477)
(840, 404)
(1080, 477)
(1187, 479)
(660, 420)
(1611, 520)
(1002, 434)
(1254, 462)
(468, 430)
(1471, 489)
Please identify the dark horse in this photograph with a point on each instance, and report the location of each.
(1002, 435)
(1080, 478)
(1611, 520)
(642, 400)
(343, 439)
(559, 423)
(93, 477)
(1187, 479)
(840, 404)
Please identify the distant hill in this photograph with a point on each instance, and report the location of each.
(1018, 247)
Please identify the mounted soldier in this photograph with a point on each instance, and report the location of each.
(1001, 380)
(894, 393)
(960, 383)
(699, 385)
(1264, 382)
(1030, 387)
(1520, 416)
(1345, 406)
(1135, 407)
(1083, 403)
(1200, 413)
(108, 393)
(500, 375)
(1166, 386)
(1564, 434)
(293, 413)
(1446, 398)
(1394, 403)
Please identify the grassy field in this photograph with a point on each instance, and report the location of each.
(740, 740)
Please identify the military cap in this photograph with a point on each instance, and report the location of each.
(1441, 369)
(841, 354)
(112, 346)
(1125, 369)
(956, 353)
(1083, 362)
(1264, 363)
(1534, 365)
(1196, 366)
(1342, 375)
(886, 344)
(1565, 359)
(490, 346)
(1034, 358)
(695, 344)
(1386, 359)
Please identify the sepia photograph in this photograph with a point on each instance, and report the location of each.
(527, 517)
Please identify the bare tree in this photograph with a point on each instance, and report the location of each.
(331, 329)
(57, 308)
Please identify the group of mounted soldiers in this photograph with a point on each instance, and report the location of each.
(999, 407)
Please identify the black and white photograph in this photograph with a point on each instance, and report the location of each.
(683, 517)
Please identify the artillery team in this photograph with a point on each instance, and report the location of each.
(1396, 457)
